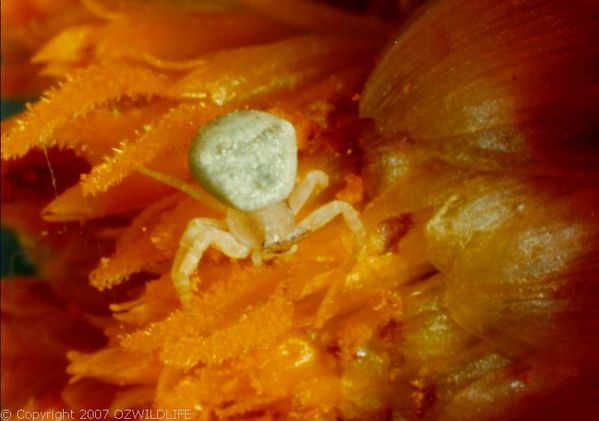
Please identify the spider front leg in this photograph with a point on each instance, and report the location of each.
(199, 235)
(326, 213)
(315, 179)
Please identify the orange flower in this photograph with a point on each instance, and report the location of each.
(323, 333)
(259, 338)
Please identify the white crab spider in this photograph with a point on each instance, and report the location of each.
(248, 161)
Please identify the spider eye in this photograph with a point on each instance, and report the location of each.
(246, 159)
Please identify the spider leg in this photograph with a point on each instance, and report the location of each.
(315, 179)
(199, 235)
(326, 213)
(193, 191)
(257, 258)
